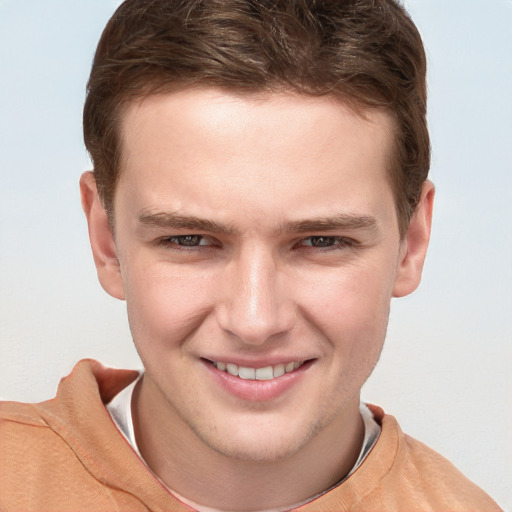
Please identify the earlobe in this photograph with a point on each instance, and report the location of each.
(102, 240)
(415, 244)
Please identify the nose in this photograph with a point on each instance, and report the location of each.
(257, 304)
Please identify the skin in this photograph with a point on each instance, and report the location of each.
(254, 230)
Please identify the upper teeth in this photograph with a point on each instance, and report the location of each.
(266, 373)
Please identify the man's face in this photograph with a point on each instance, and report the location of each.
(256, 234)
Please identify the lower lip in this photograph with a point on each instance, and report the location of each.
(257, 390)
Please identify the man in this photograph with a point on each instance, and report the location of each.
(259, 195)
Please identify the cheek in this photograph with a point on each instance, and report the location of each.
(351, 304)
(164, 307)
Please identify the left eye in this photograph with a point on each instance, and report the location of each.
(325, 241)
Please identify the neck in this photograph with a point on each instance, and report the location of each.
(186, 465)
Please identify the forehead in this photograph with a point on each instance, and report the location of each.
(209, 114)
(255, 150)
(203, 101)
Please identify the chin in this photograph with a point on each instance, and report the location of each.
(264, 452)
(264, 443)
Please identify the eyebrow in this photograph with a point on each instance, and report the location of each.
(174, 220)
(338, 222)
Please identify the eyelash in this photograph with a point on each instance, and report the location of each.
(333, 243)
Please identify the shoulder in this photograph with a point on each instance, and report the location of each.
(401, 473)
(436, 480)
(23, 431)
(33, 457)
(14, 414)
(51, 453)
(427, 477)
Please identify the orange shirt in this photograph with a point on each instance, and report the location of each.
(66, 455)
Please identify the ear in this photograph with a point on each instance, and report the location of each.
(415, 243)
(101, 237)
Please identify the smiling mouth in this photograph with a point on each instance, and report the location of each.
(265, 373)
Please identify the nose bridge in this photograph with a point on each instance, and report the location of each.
(255, 307)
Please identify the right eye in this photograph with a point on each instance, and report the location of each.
(185, 240)
(182, 242)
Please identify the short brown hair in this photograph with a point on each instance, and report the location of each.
(366, 52)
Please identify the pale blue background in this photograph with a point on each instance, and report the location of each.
(446, 369)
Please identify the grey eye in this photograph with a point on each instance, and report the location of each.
(323, 241)
(187, 240)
